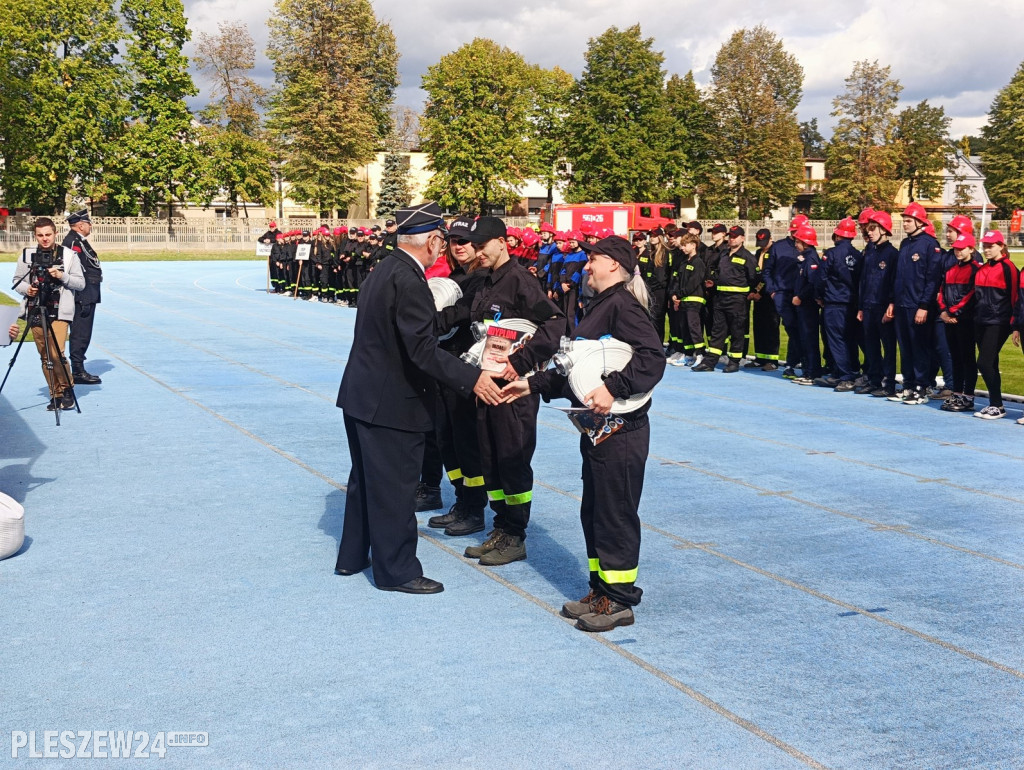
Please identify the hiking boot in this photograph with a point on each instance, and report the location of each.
(428, 498)
(442, 521)
(606, 616)
(507, 549)
(476, 551)
(575, 610)
(732, 366)
(470, 520)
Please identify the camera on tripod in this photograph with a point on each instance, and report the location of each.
(47, 296)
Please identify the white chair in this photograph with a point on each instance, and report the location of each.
(12, 526)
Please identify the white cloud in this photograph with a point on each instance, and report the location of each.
(942, 50)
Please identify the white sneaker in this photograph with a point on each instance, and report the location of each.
(674, 357)
(697, 361)
(991, 413)
(1020, 421)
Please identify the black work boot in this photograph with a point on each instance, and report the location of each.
(470, 520)
(428, 498)
(442, 521)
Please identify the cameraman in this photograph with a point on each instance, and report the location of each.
(49, 276)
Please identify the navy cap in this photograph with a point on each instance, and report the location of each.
(79, 216)
(424, 218)
(616, 247)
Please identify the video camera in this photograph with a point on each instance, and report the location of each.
(48, 295)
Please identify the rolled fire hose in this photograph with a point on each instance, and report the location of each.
(473, 355)
(586, 361)
(446, 293)
(12, 526)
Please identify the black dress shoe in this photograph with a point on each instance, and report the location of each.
(420, 585)
(84, 378)
(348, 572)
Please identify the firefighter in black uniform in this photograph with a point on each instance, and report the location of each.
(712, 255)
(687, 301)
(390, 235)
(508, 432)
(269, 238)
(766, 317)
(613, 470)
(278, 274)
(737, 274)
(87, 299)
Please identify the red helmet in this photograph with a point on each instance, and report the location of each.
(560, 236)
(883, 220)
(574, 235)
(587, 228)
(846, 229)
(547, 227)
(807, 234)
(272, 224)
(279, 237)
(605, 232)
(963, 225)
(930, 229)
(530, 238)
(338, 231)
(514, 232)
(916, 211)
(798, 221)
(865, 216)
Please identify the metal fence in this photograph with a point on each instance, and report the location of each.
(138, 234)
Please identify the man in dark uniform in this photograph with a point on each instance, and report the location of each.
(736, 276)
(388, 396)
(766, 317)
(87, 299)
(390, 242)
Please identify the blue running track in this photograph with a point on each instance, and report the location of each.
(830, 580)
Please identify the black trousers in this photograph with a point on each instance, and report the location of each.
(991, 338)
(81, 334)
(960, 340)
(456, 433)
(380, 504)
(691, 328)
(730, 320)
(613, 480)
(659, 309)
(431, 469)
(508, 436)
(879, 347)
(676, 319)
(915, 341)
(808, 316)
(766, 330)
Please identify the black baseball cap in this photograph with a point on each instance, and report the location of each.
(719, 228)
(613, 246)
(763, 236)
(737, 232)
(695, 225)
(460, 227)
(486, 229)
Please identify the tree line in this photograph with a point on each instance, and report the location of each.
(94, 106)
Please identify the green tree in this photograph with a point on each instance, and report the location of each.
(692, 165)
(549, 118)
(620, 128)
(1003, 156)
(862, 158)
(236, 159)
(158, 157)
(62, 101)
(394, 184)
(922, 137)
(335, 67)
(812, 140)
(755, 89)
(476, 126)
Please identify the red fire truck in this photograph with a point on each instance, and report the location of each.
(623, 218)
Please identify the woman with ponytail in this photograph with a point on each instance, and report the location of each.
(613, 470)
(995, 295)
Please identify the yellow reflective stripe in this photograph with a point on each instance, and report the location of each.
(520, 499)
(455, 475)
(714, 351)
(701, 300)
(767, 357)
(618, 575)
(736, 289)
(737, 356)
(495, 495)
(595, 565)
(473, 481)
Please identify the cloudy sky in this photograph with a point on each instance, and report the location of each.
(954, 53)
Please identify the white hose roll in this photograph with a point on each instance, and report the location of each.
(446, 292)
(12, 526)
(593, 358)
(476, 350)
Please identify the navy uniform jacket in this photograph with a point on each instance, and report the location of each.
(842, 273)
(810, 276)
(918, 272)
(780, 267)
(90, 263)
(616, 313)
(394, 360)
(878, 269)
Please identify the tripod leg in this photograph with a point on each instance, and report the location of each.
(64, 369)
(14, 358)
(48, 363)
